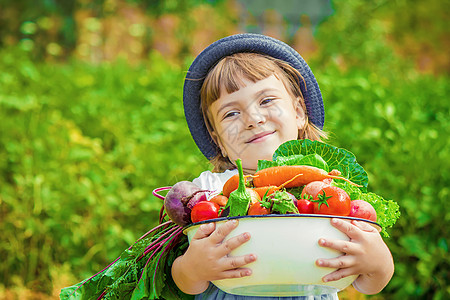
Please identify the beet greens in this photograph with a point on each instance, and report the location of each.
(143, 271)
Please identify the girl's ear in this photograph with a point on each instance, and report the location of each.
(216, 140)
(301, 113)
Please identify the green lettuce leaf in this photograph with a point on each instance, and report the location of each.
(282, 203)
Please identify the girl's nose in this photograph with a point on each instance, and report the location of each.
(254, 118)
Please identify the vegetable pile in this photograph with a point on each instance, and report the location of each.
(304, 177)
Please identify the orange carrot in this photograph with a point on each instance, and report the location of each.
(279, 175)
(272, 188)
(263, 189)
(232, 184)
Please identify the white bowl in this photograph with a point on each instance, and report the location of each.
(287, 249)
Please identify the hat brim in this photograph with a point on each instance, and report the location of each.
(247, 42)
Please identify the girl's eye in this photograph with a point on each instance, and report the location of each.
(230, 114)
(267, 100)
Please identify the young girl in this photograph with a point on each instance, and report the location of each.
(244, 96)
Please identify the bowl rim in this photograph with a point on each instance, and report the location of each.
(375, 224)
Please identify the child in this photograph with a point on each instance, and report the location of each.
(244, 96)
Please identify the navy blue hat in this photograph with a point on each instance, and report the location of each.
(247, 42)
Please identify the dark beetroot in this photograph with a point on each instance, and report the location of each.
(177, 200)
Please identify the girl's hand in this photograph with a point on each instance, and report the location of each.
(365, 255)
(206, 258)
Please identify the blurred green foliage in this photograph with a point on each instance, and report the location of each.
(397, 123)
(398, 128)
(55, 30)
(82, 146)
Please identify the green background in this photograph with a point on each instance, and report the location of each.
(89, 126)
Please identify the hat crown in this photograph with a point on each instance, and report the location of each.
(245, 42)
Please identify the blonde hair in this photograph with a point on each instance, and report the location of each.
(228, 74)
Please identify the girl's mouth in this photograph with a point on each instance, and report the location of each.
(260, 137)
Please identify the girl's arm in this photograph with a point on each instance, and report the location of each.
(206, 258)
(365, 255)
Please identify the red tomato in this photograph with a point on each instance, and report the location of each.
(332, 200)
(204, 210)
(305, 206)
(256, 209)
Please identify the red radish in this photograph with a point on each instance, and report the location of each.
(362, 209)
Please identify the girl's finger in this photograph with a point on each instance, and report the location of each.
(235, 262)
(364, 226)
(341, 262)
(346, 227)
(339, 245)
(232, 243)
(339, 274)
(204, 231)
(236, 273)
(223, 230)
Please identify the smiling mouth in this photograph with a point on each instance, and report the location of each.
(259, 137)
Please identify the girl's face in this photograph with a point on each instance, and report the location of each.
(254, 121)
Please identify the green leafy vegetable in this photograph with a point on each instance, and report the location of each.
(239, 199)
(279, 202)
(141, 272)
